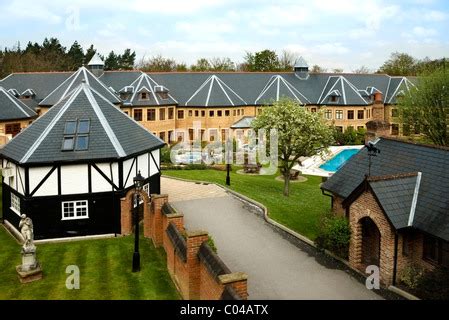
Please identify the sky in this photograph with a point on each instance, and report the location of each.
(333, 34)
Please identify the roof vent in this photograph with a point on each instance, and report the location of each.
(301, 69)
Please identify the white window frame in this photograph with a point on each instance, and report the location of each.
(75, 207)
(146, 189)
(15, 204)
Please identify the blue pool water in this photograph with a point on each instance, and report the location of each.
(339, 160)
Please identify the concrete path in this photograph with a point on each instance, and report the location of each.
(277, 269)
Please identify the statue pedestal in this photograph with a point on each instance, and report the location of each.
(30, 269)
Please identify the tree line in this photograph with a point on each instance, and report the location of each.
(51, 55)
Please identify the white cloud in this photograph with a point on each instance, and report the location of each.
(435, 16)
(424, 32)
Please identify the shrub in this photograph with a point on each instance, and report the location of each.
(433, 285)
(334, 234)
(211, 244)
(165, 154)
(410, 276)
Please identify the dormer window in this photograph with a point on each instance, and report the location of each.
(76, 135)
(333, 99)
(162, 92)
(144, 96)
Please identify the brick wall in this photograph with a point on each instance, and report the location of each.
(194, 277)
(337, 206)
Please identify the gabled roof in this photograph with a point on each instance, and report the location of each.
(396, 87)
(74, 81)
(12, 108)
(276, 88)
(28, 92)
(349, 94)
(243, 123)
(213, 92)
(112, 133)
(96, 61)
(399, 157)
(145, 84)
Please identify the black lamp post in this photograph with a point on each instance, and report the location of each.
(138, 184)
(228, 161)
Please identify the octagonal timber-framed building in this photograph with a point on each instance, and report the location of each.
(69, 169)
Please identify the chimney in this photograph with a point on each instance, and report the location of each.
(301, 69)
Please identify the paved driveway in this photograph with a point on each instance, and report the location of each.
(277, 269)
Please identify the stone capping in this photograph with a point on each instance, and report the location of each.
(391, 177)
(232, 277)
(179, 243)
(212, 261)
(230, 294)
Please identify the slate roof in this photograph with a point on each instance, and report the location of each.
(399, 157)
(112, 134)
(72, 82)
(43, 83)
(396, 196)
(243, 123)
(239, 88)
(215, 92)
(145, 84)
(12, 108)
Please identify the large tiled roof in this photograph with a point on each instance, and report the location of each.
(12, 108)
(112, 133)
(72, 82)
(227, 88)
(398, 157)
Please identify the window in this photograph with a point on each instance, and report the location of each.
(82, 143)
(243, 112)
(171, 113)
(162, 114)
(339, 114)
(432, 249)
(83, 126)
(234, 112)
(70, 127)
(360, 114)
(394, 129)
(224, 134)
(238, 112)
(191, 134)
(369, 113)
(328, 114)
(190, 113)
(146, 189)
(211, 113)
(162, 136)
(15, 204)
(138, 114)
(212, 135)
(219, 113)
(151, 114)
(334, 98)
(72, 210)
(171, 136)
(227, 113)
(313, 109)
(126, 112)
(143, 96)
(350, 114)
(394, 113)
(180, 114)
(203, 113)
(339, 128)
(68, 143)
(197, 113)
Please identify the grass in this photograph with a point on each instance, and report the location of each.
(105, 271)
(301, 211)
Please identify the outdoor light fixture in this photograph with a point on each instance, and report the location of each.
(228, 161)
(138, 185)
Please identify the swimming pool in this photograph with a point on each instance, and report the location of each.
(339, 160)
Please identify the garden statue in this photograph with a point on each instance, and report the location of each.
(30, 269)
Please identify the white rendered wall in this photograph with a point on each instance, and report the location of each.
(50, 186)
(126, 167)
(74, 179)
(142, 164)
(99, 184)
(154, 166)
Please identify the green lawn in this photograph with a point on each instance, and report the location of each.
(105, 270)
(300, 212)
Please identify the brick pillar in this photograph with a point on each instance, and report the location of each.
(355, 246)
(194, 241)
(238, 281)
(156, 219)
(126, 215)
(378, 111)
